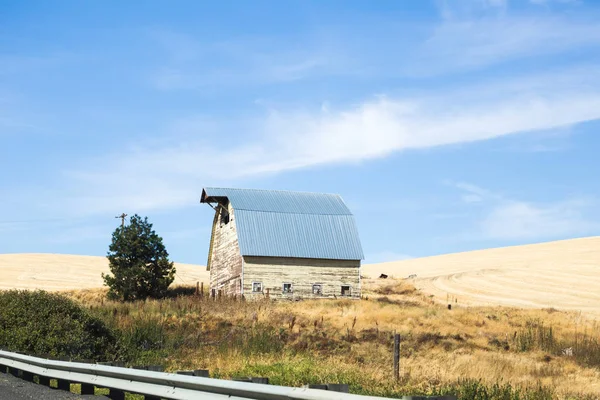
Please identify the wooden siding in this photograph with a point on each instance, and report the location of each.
(302, 273)
(225, 259)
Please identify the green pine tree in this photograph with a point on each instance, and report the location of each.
(139, 263)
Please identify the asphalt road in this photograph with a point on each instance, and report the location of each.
(12, 388)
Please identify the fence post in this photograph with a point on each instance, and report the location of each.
(397, 356)
(201, 289)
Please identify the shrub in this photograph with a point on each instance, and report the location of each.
(46, 324)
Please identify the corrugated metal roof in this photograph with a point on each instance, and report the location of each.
(281, 201)
(291, 224)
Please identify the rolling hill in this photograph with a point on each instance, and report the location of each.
(562, 274)
(67, 272)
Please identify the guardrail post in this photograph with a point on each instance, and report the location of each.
(254, 379)
(63, 385)
(188, 373)
(87, 388)
(334, 387)
(316, 386)
(27, 376)
(44, 380)
(116, 394)
(338, 387)
(13, 371)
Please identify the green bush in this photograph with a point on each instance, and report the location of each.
(46, 324)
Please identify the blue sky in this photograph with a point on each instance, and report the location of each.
(445, 125)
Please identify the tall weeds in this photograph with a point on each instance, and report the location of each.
(477, 353)
(583, 347)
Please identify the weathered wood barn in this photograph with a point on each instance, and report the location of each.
(284, 244)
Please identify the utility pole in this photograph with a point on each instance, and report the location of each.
(122, 216)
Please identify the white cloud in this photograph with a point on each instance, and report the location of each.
(172, 174)
(473, 43)
(513, 219)
(193, 64)
(472, 35)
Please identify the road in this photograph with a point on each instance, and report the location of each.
(12, 388)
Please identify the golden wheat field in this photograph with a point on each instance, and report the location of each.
(55, 272)
(562, 274)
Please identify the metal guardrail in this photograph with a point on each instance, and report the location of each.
(161, 385)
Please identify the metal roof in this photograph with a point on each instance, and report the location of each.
(280, 201)
(275, 223)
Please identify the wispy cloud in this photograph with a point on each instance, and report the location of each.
(192, 64)
(472, 35)
(474, 43)
(515, 219)
(172, 174)
(523, 220)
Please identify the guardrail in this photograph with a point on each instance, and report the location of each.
(158, 385)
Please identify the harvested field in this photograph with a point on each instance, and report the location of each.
(563, 274)
(67, 272)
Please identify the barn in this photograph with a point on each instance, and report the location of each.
(282, 244)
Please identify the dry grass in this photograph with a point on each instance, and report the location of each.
(345, 340)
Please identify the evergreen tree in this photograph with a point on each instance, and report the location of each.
(139, 263)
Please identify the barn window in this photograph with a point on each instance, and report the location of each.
(224, 216)
(257, 287)
(287, 288)
(345, 290)
(317, 289)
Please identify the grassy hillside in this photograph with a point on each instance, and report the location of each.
(510, 353)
